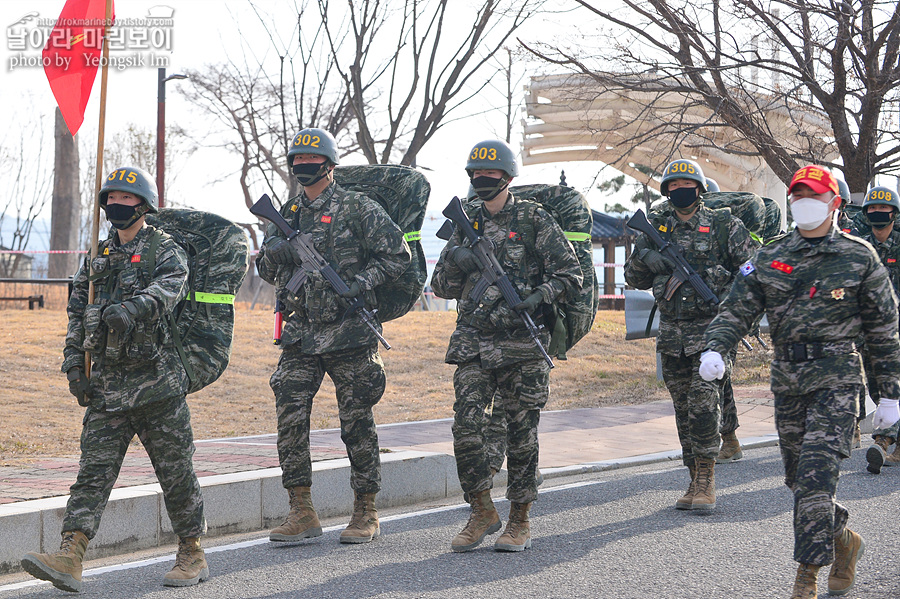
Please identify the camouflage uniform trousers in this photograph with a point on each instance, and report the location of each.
(359, 380)
(495, 435)
(164, 428)
(696, 405)
(815, 432)
(520, 390)
(728, 408)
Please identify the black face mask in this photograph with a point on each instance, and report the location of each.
(310, 173)
(487, 188)
(121, 216)
(683, 197)
(880, 220)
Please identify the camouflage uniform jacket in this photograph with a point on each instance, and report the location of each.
(715, 243)
(357, 237)
(142, 366)
(821, 295)
(889, 253)
(488, 328)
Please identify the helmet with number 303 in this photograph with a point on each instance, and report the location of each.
(682, 169)
(884, 196)
(314, 141)
(133, 180)
(492, 154)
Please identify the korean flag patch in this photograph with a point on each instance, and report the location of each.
(747, 267)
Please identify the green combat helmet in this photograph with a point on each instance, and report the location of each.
(711, 185)
(881, 196)
(133, 180)
(843, 191)
(314, 141)
(492, 154)
(682, 169)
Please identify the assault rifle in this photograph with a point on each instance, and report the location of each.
(491, 271)
(312, 261)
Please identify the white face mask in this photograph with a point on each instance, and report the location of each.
(809, 213)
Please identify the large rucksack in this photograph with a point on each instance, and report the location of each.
(203, 323)
(572, 319)
(403, 193)
(747, 206)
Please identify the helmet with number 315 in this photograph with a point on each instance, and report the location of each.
(133, 180)
(492, 154)
(682, 169)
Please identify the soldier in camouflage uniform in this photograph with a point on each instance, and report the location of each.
(881, 207)
(715, 243)
(137, 382)
(495, 356)
(366, 248)
(820, 289)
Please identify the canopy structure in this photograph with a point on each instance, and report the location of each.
(572, 119)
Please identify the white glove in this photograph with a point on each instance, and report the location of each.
(711, 365)
(886, 414)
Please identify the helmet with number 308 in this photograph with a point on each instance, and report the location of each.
(314, 141)
(133, 180)
(492, 154)
(884, 196)
(682, 169)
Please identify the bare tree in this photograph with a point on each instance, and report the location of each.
(412, 67)
(765, 69)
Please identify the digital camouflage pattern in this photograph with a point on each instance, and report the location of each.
(218, 255)
(745, 205)
(366, 246)
(403, 193)
(146, 354)
(359, 380)
(773, 226)
(164, 428)
(138, 383)
(820, 297)
(715, 244)
(572, 212)
(492, 348)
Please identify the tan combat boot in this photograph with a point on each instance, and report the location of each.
(301, 522)
(686, 501)
(62, 568)
(894, 458)
(363, 525)
(848, 548)
(517, 536)
(876, 456)
(190, 564)
(805, 586)
(730, 450)
(483, 521)
(705, 490)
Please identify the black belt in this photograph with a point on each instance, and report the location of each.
(802, 352)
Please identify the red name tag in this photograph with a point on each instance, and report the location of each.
(136, 258)
(512, 234)
(782, 266)
(703, 229)
(891, 260)
(326, 219)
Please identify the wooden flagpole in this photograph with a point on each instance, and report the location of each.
(95, 227)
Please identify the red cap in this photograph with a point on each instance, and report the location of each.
(817, 177)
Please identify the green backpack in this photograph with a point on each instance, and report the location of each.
(747, 206)
(202, 324)
(403, 193)
(572, 319)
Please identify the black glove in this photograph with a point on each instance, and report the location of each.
(120, 317)
(352, 292)
(530, 303)
(280, 251)
(656, 262)
(79, 386)
(465, 259)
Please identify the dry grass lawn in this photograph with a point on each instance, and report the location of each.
(40, 418)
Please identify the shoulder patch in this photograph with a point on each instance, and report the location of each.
(747, 268)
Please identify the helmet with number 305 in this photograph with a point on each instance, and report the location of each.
(133, 180)
(493, 154)
(682, 169)
(314, 141)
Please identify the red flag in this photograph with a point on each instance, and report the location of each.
(72, 56)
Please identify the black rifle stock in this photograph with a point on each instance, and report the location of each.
(491, 271)
(312, 261)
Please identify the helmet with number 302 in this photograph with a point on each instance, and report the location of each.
(884, 196)
(492, 154)
(314, 141)
(682, 169)
(133, 180)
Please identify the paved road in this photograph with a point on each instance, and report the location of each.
(612, 534)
